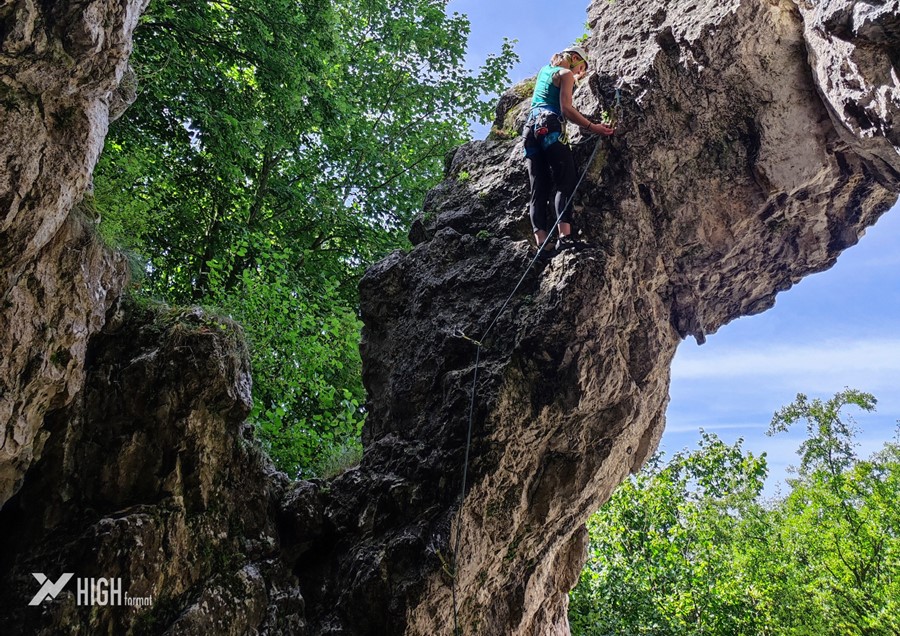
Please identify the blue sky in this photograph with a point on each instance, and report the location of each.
(834, 329)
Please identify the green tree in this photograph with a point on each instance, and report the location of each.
(688, 547)
(276, 149)
(841, 523)
(663, 548)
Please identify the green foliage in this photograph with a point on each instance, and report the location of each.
(660, 561)
(338, 459)
(276, 149)
(688, 547)
(525, 88)
(841, 521)
(305, 344)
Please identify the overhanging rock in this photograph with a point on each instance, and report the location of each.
(756, 142)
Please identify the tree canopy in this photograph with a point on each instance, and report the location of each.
(689, 546)
(276, 149)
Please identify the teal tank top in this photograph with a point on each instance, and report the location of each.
(546, 95)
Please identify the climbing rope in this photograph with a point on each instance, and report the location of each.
(478, 346)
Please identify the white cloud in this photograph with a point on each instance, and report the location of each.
(733, 390)
(837, 329)
(866, 364)
(835, 358)
(712, 427)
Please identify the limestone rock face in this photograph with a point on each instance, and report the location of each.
(855, 61)
(60, 66)
(732, 175)
(755, 141)
(147, 476)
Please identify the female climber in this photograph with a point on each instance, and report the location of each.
(551, 168)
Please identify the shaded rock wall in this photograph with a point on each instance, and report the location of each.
(60, 67)
(147, 476)
(756, 142)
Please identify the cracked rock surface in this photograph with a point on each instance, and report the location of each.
(61, 64)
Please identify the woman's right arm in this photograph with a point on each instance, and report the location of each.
(566, 88)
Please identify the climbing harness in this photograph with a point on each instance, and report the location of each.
(543, 129)
(479, 344)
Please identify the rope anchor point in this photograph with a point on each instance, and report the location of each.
(459, 334)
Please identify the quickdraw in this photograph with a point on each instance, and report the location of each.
(614, 114)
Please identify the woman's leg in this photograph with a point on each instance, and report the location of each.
(562, 166)
(539, 178)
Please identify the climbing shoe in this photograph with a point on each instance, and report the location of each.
(547, 253)
(566, 243)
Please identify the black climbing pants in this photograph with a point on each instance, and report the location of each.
(551, 172)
